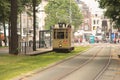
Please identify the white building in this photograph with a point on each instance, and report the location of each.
(25, 27)
(96, 23)
(93, 18)
(41, 14)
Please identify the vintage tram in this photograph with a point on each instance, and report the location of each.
(63, 38)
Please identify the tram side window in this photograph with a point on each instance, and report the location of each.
(60, 35)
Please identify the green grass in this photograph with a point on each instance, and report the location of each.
(11, 66)
(3, 47)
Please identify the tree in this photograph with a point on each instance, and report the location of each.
(34, 4)
(13, 20)
(9, 11)
(112, 10)
(62, 11)
(34, 25)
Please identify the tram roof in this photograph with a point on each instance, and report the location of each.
(62, 27)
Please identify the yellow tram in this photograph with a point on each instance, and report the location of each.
(63, 38)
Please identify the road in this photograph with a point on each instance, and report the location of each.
(90, 65)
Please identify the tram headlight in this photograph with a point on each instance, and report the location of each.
(60, 45)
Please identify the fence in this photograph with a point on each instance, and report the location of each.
(26, 47)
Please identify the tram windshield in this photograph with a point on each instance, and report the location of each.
(60, 35)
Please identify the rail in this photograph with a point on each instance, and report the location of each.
(104, 68)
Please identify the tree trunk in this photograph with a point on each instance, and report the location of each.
(14, 36)
(9, 36)
(34, 25)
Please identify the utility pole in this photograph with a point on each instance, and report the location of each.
(34, 25)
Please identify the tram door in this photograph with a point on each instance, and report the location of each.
(44, 39)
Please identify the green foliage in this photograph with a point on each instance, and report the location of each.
(112, 10)
(59, 11)
(29, 2)
(4, 9)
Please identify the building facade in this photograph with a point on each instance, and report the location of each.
(94, 22)
(25, 25)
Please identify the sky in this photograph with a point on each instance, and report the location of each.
(94, 6)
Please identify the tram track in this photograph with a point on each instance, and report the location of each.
(86, 72)
(104, 68)
(82, 65)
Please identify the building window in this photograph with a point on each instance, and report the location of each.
(96, 15)
(94, 22)
(86, 27)
(93, 27)
(97, 21)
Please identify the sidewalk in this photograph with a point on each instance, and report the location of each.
(4, 50)
(37, 52)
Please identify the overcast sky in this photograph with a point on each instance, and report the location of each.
(94, 6)
(91, 3)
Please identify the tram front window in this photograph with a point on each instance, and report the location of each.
(60, 35)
